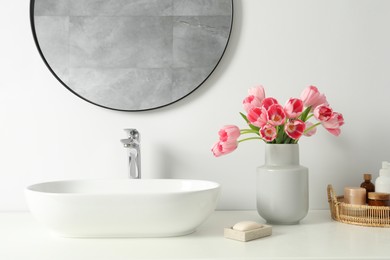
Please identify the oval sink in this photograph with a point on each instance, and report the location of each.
(123, 207)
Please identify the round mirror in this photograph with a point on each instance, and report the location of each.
(131, 55)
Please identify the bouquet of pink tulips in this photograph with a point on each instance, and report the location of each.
(276, 124)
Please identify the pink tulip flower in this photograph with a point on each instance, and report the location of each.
(334, 123)
(229, 133)
(250, 102)
(295, 128)
(312, 131)
(257, 92)
(276, 114)
(272, 122)
(258, 116)
(323, 113)
(293, 108)
(222, 148)
(269, 101)
(268, 133)
(312, 97)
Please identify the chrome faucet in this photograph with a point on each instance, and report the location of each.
(132, 144)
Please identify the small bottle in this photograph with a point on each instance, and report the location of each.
(382, 183)
(367, 184)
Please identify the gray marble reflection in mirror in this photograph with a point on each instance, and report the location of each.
(131, 55)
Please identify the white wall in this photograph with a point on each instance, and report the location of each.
(341, 46)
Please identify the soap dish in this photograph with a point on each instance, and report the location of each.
(247, 231)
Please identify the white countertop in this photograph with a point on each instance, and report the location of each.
(317, 237)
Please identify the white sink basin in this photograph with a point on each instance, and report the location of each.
(123, 207)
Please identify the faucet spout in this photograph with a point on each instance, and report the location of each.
(132, 144)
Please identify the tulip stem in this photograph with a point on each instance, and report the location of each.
(311, 127)
(250, 138)
(247, 131)
(309, 116)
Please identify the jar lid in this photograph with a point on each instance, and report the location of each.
(378, 196)
(367, 177)
(354, 191)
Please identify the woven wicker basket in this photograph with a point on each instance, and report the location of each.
(362, 215)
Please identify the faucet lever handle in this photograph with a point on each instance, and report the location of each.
(132, 133)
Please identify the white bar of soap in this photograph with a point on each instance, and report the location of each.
(246, 225)
(247, 230)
